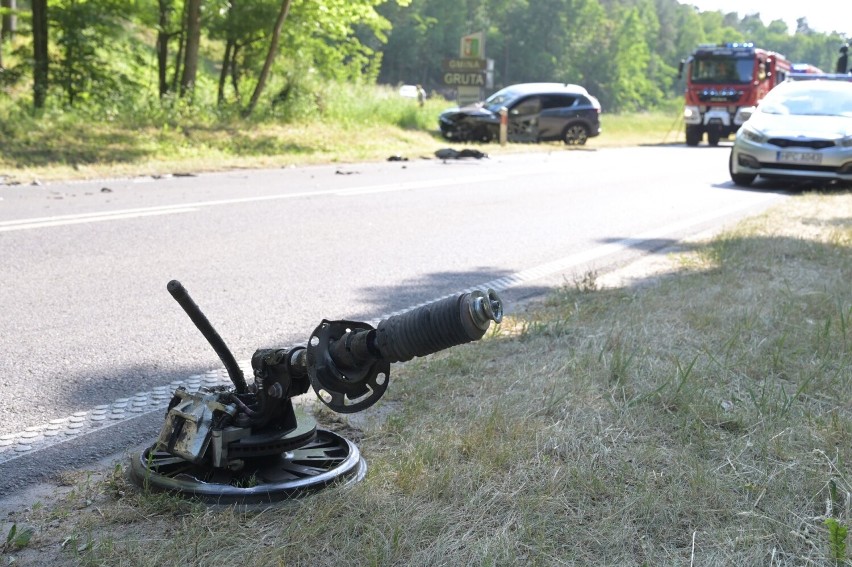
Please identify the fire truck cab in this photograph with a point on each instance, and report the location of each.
(724, 83)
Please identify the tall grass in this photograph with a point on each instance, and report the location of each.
(301, 121)
(146, 135)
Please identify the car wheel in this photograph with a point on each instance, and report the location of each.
(693, 136)
(741, 179)
(484, 135)
(464, 132)
(575, 135)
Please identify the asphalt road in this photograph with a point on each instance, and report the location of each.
(88, 329)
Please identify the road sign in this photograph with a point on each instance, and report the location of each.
(464, 79)
(464, 65)
(473, 46)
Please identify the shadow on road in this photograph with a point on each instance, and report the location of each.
(432, 286)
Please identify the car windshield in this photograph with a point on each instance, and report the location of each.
(500, 98)
(815, 100)
(711, 69)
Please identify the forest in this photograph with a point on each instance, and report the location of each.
(246, 57)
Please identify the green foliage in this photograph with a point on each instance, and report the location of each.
(837, 533)
(17, 538)
(630, 87)
(103, 52)
(625, 52)
(94, 59)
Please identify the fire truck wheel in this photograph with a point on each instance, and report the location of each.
(693, 136)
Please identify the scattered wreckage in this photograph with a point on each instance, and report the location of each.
(450, 153)
(248, 443)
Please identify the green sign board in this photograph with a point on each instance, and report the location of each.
(473, 46)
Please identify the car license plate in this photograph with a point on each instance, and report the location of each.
(798, 157)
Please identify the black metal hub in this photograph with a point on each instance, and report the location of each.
(363, 382)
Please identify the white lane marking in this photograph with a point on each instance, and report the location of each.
(417, 185)
(62, 220)
(27, 224)
(90, 215)
(37, 438)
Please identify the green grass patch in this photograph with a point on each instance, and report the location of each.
(643, 128)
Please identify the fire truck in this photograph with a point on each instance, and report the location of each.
(724, 82)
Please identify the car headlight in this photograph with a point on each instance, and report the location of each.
(752, 135)
(743, 114)
(691, 112)
(846, 142)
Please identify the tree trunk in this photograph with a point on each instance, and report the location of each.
(178, 60)
(67, 64)
(8, 25)
(193, 38)
(181, 33)
(270, 56)
(40, 56)
(235, 74)
(163, 36)
(230, 51)
(223, 75)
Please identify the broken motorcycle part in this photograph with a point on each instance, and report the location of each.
(247, 443)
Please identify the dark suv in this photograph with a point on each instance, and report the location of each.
(537, 112)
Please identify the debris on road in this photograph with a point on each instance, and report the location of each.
(450, 153)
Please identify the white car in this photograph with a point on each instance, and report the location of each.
(800, 130)
(408, 91)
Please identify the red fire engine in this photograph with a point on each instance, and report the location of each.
(723, 83)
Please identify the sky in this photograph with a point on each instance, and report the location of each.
(823, 15)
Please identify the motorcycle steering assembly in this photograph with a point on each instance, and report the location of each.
(248, 443)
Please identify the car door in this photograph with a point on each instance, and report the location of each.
(557, 110)
(524, 118)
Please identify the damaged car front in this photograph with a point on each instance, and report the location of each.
(472, 123)
(478, 122)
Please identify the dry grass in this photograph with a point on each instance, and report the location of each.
(703, 419)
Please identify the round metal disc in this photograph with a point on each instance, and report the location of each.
(327, 459)
(344, 393)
